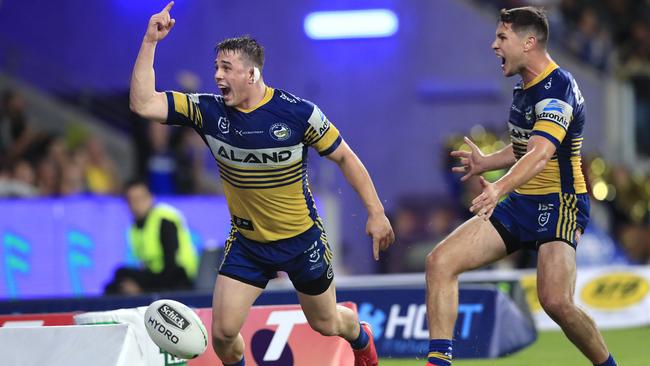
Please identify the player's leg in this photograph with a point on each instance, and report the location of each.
(231, 303)
(472, 245)
(312, 275)
(556, 276)
(330, 319)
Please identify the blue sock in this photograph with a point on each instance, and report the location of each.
(610, 361)
(240, 363)
(362, 340)
(440, 351)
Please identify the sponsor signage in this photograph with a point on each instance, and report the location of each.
(615, 297)
(280, 335)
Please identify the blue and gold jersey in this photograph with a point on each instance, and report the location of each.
(550, 106)
(262, 155)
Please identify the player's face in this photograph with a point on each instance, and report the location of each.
(232, 77)
(509, 47)
(139, 200)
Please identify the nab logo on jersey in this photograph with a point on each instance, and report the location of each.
(280, 131)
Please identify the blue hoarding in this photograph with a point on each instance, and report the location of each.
(71, 246)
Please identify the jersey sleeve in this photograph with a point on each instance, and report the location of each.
(187, 109)
(320, 133)
(554, 113)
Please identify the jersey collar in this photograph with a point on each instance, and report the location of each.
(547, 71)
(268, 94)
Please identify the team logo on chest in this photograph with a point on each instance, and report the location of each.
(280, 131)
(529, 114)
(224, 125)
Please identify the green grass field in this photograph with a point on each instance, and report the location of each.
(630, 347)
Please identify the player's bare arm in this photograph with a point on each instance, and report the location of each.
(377, 227)
(540, 150)
(474, 162)
(143, 98)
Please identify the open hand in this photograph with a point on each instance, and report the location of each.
(471, 161)
(483, 205)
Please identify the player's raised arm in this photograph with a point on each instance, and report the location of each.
(377, 227)
(143, 98)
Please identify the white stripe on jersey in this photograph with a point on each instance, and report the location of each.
(254, 158)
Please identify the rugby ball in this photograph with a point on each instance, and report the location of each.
(176, 329)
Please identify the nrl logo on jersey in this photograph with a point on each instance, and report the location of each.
(280, 131)
(224, 125)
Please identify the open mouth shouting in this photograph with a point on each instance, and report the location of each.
(226, 92)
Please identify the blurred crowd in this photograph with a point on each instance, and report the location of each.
(37, 163)
(34, 162)
(620, 206)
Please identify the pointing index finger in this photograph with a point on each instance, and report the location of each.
(168, 7)
(375, 248)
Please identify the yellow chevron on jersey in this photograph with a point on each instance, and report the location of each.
(261, 153)
(551, 106)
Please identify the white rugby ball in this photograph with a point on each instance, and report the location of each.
(176, 329)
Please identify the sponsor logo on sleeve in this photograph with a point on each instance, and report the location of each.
(556, 111)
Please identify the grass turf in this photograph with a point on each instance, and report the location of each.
(630, 347)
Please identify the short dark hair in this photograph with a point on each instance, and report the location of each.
(138, 181)
(247, 46)
(527, 19)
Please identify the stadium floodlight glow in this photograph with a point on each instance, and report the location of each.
(370, 23)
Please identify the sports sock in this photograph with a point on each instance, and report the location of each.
(610, 361)
(361, 341)
(240, 363)
(440, 351)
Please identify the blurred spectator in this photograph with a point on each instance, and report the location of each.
(420, 221)
(161, 165)
(161, 241)
(635, 65)
(72, 174)
(589, 41)
(100, 170)
(17, 139)
(17, 181)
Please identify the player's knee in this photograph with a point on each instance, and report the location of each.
(223, 334)
(436, 263)
(325, 327)
(557, 306)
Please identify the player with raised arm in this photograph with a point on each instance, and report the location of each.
(547, 206)
(259, 137)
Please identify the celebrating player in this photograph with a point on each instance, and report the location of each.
(259, 138)
(547, 206)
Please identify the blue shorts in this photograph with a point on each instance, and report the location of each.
(306, 258)
(528, 221)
